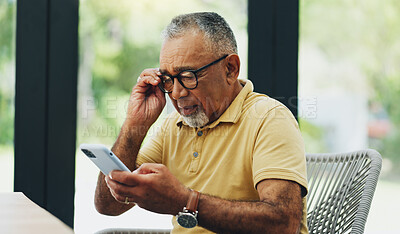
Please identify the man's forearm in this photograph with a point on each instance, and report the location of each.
(126, 148)
(128, 143)
(223, 216)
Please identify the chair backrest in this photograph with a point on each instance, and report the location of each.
(133, 231)
(341, 187)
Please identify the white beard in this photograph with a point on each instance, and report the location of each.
(197, 119)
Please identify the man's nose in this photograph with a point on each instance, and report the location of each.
(178, 91)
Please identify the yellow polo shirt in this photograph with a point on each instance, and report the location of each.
(256, 138)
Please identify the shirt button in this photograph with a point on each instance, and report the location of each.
(195, 154)
(199, 133)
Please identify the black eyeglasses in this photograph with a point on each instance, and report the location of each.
(188, 79)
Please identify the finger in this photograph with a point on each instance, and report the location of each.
(123, 199)
(160, 94)
(149, 80)
(111, 184)
(117, 197)
(124, 177)
(120, 191)
(151, 72)
(149, 168)
(149, 76)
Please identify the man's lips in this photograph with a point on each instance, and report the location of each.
(188, 110)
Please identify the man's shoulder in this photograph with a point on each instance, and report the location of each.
(260, 105)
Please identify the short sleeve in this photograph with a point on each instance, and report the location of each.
(151, 150)
(279, 149)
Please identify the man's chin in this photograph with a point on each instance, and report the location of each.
(196, 120)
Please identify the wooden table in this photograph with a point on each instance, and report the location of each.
(18, 214)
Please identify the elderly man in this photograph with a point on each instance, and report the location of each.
(229, 160)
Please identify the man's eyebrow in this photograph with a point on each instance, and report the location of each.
(178, 69)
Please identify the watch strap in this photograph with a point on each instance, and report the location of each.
(193, 201)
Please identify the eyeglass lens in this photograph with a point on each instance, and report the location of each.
(187, 78)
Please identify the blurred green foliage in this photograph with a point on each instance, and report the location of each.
(6, 121)
(368, 33)
(313, 137)
(7, 22)
(112, 59)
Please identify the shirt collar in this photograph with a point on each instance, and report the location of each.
(232, 114)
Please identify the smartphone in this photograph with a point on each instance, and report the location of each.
(104, 158)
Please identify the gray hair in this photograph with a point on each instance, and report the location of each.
(213, 26)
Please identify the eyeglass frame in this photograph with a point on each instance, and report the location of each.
(192, 71)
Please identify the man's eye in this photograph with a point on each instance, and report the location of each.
(166, 79)
(186, 75)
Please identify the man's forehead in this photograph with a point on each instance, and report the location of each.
(183, 53)
(183, 45)
(176, 61)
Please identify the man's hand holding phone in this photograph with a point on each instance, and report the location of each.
(151, 186)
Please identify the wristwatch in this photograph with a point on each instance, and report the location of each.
(188, 217)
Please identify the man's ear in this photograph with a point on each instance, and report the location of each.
(232, 68)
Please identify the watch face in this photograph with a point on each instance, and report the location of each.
(187, 220)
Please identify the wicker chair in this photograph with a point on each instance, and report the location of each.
(341, 187)
(133, 231)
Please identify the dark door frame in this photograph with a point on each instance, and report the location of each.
(273, 29)
(45, 103)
